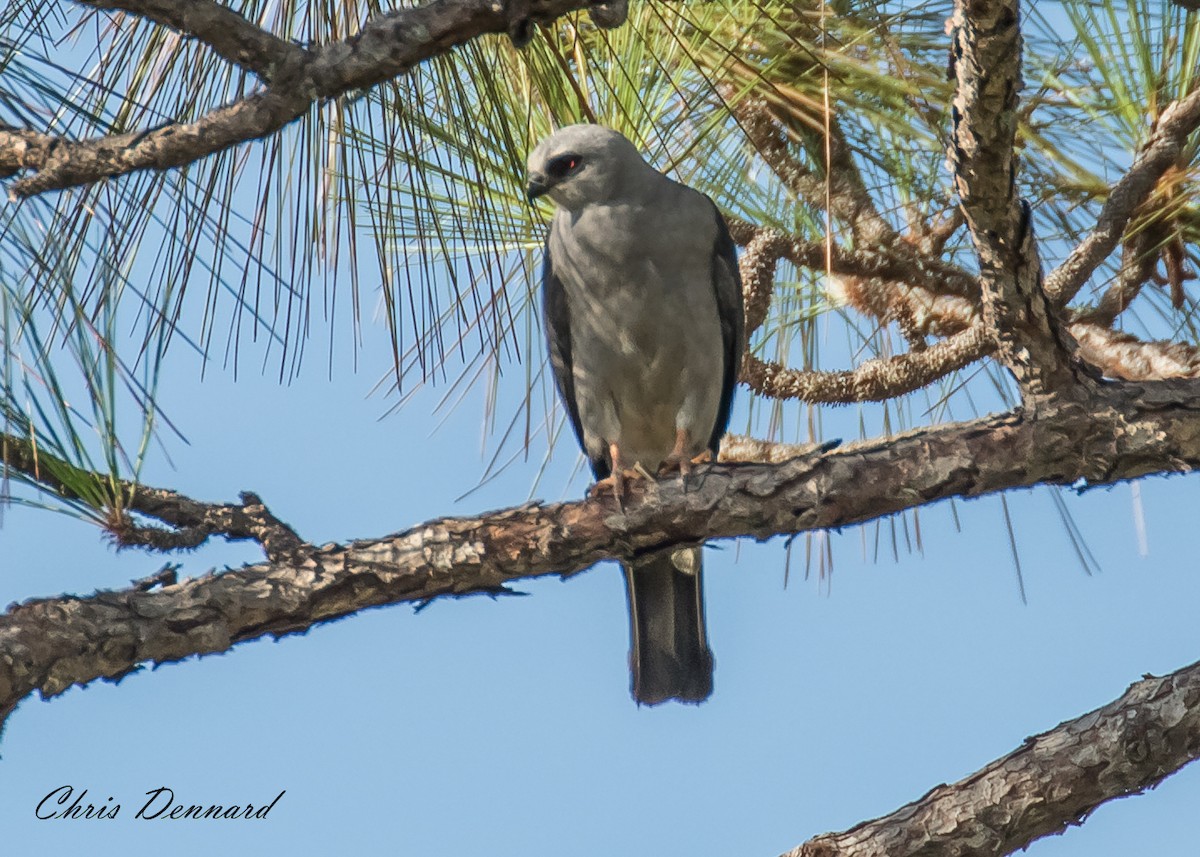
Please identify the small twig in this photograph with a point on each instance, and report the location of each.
(189, 522)
(1159, 153)
(934, 240)
(1137, 268)
(165, 576)
(193, 522)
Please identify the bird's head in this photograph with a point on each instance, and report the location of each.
(582, 164)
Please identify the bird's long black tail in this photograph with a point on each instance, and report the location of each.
(669, 658)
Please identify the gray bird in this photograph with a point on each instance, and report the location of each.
(642, 306)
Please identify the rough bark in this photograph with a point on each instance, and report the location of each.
(987, 63)
(1128, 431)
(872, 380)
(1050, 782)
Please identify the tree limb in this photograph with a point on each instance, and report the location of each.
(881, 262)
(1160, 152)
(843, 190)
(1127, 431)
(1138, 260)
(987, 63)
(872, 380)
(926, 298)
(1121, 355)
(1050, 782)
(227, 32)
(191, 522)
(387, 46)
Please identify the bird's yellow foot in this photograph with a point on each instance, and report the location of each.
(679, 461)
(617, 479)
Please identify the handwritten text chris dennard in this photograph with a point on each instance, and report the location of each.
(66, 802)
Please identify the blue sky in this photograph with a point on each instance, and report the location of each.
(505, 726)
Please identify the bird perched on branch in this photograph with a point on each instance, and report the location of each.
(642, 306)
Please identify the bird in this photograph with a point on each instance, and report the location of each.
(642, 311)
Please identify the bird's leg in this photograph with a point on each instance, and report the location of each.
(618, 477)
(614, 480)
(678, 458)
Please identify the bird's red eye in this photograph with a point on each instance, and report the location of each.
(563, 165)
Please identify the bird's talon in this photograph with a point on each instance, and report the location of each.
(673, 463)
(612, 482)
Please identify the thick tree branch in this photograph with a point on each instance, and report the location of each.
(987, 63)
(386, 47)
(1126, 432)
(1050, 782)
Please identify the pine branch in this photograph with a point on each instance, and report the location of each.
(1138, 258)
(227, 32)
(1160, 152)
(190, 523)
(873, 380)
(923, 295)
(881, 262)
(843, 191)
(386, 47)
(986, 57)
(1122, 355)
(1125, 431)
(1050, 782)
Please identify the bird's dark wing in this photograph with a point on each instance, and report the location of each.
(728, 285)
(557, 323)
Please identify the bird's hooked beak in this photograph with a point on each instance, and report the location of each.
(537, 185)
